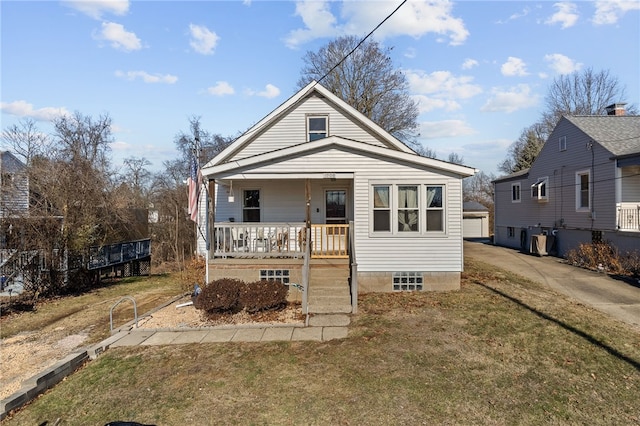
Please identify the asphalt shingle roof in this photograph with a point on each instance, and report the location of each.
(618, 134)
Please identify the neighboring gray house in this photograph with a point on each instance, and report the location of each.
(14, 186)
(584, 186)
(475, 220)
(373, 208)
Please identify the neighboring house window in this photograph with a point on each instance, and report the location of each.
(408, 213)
(317, 127)
(6, 179)
(515, 192)
(408, 281)
(251, 205)
(435, 208)
(280, 275)
(540, 189)
(583, 193)
(399, 209)
(381, 209)
(562, 143)
(511, 231)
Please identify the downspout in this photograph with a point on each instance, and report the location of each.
(593, 183)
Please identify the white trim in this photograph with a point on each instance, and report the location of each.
(519, 199)
(562, 143)
(422, 209)
(340, 143)
(313, 86)
(537, 187)
(579, 207)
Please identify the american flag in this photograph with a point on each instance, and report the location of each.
(195, 182)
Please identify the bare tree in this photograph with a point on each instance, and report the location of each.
(25, 140)
(425, 151)
(584, 92)
(455, 158)
(366, 79)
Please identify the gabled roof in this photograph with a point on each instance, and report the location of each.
(513, 176)
(339, 143)
(312, 87)
(620, 135)
(473, 206)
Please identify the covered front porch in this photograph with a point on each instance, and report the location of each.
(628, 188)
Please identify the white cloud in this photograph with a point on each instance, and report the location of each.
(469, 63)
(609, 11)
(25, 109)
(318, 20)
(415, 19)
(119, 38)
(410, 53)
(515, 16)
(566, 15)
(442, 85)
(562, 64)
(146, 77)
(270, 91)
(445, 129)
(96, 8)
(514, 67)
(428, 104)
(221, 88)
(203, 40)
(514, 99)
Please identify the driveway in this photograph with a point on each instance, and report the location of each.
(617, 298)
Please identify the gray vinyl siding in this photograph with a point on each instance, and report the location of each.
(283, 200)
(561, 168)
(291, 129)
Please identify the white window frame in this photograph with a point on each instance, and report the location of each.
(245, 208)
(310, 132)
(536, 189)
(579, 190)
(394, 209)
(562, 143)
(513, 197)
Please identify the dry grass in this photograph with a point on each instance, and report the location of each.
(502, 350)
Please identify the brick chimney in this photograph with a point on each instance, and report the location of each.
(616, 109)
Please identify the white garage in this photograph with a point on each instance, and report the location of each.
(475, 220)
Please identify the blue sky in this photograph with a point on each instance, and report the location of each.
(479, 69)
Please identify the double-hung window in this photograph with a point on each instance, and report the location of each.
(251, 205)
(381, 209)
(515, 192)
(407, 209)
(583, 191)
(317, 127)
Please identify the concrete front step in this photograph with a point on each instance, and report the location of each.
(329, 291)
(329, 309)
(329, 320)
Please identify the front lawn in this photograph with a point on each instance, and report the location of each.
(502, 350)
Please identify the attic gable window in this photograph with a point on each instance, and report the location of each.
(540, 189)
(317, 127)
(562, 143)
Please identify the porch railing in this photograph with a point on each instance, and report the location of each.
(254, 240)
(628, 217)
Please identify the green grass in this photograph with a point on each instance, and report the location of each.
(502, 350)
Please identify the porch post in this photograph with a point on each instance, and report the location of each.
(211, 200)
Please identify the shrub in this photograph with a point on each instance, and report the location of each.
(220, 296)
(599, 256)
(263, 295)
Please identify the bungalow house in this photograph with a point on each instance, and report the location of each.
(319, 197)
(584, 186)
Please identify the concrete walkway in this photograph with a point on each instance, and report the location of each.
(617, 298)
(321, 328)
